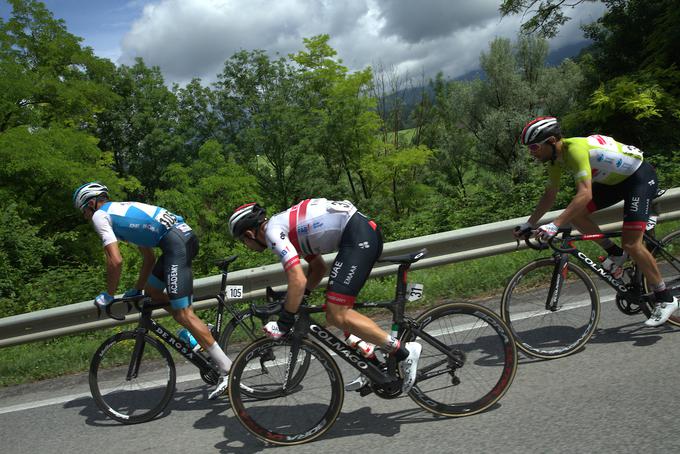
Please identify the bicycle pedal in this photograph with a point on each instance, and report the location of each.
(365, 390)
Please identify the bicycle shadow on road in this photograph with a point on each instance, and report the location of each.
(636, 333)
(360, 422)
(191, 399)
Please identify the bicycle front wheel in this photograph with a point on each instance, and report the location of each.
(292, 415)
(668, 261)
(132, 383)
(550, 333)
(241, 331)
(483, 365)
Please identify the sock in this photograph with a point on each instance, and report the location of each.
(661, 293)
(393, 346)
(217, 355)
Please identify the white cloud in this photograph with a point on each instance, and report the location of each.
(193, 38)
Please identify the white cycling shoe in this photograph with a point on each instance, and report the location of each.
(409, 366)
(357, 383)
(221, 388)
(662, 312)
(272, 331)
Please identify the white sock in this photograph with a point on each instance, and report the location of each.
(222, 360)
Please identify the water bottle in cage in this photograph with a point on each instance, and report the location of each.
(366, 349)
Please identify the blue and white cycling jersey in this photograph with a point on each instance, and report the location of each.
(134, 222)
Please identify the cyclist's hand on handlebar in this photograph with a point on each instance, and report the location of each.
(547, 231)
(103, 300)
(522, 231)
(132, 293)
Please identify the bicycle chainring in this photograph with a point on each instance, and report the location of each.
(390, 390)
(625, 306)
(210, 376)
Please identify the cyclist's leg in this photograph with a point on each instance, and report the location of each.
(641, 191)
(360, 247)
(179, 247)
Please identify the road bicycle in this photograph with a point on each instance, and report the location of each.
(468, 361)
(132, 374)
(552, 305)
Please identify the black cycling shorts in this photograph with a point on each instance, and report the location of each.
(360, 246)
(637, 192)
(172, 270)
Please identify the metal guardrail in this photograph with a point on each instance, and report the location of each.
(443, 248)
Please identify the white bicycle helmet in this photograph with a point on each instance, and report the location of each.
(86, 192)
(245, 217)
(539, 129)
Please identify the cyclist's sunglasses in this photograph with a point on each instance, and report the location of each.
(536, 146)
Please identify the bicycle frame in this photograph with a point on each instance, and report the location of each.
(146, 306)
(371, 367)
(562, 258)
(147, 324)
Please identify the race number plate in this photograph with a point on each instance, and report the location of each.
(414, 292)
(234, 292)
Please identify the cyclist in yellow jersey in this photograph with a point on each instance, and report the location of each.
(605, 172)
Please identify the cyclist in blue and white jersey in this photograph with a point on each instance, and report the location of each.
(147, 227)
(309, 229)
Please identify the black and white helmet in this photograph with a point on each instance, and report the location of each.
(86, 192)
(539, 129)
(246, 217)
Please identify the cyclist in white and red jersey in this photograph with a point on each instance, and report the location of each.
(605, 172)
(148, 226)
(307, 230)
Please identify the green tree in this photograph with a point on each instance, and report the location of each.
(206, 192)
(340, 123)
(141, 129)
(545, 16)
(46, 76)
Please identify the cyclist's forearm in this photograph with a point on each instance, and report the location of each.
(296, 288)
(113, 272)
(578, 204)
(114, 266)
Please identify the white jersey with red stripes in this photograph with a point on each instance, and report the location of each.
(313, 226)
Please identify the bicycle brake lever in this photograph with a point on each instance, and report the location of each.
(115, 317)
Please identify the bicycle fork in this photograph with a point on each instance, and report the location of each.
(558, 277)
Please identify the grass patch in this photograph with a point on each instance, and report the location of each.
(464, 280)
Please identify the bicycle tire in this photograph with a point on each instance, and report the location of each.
(669, 274)
(288, 418)
(241, 331)
(542, 333)
(488, 352)
(131, 401)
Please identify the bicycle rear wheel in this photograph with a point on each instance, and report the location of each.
(147, 393)
(304, 411)
(668, 261)
(240, 332)
(485, 349)
(544, 333)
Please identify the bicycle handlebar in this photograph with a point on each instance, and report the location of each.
(539, 245)
(128, 301)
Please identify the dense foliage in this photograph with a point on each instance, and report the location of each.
(278, 130)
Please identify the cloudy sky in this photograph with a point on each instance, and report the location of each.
(193, 38)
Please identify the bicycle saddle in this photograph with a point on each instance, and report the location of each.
(406, 258)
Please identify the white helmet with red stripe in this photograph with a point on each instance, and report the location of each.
(246, 217)
(539, 129)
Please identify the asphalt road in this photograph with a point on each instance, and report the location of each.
(616, 395)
